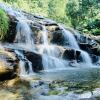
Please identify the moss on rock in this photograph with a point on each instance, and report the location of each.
(3, 24)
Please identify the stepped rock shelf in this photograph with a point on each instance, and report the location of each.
(42, 44)
(35, 44)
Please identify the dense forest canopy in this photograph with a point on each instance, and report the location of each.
(83, 15)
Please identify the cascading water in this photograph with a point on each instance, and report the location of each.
(23, 38)
(50, 54)
(24, 35)
(52, 60)
(22, 63)
(51, 57)
(73, 44)
(44, 34)
(86, 58)
(68, 36)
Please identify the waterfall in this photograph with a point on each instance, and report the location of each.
(73, 44)
(22, 64)
(44, 34)
(52, 63)
(24, 35)
(23, 38)
(50, 54)
(68, 36)
(86, 58)
(22, 68)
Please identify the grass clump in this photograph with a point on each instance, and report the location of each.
(3, 24)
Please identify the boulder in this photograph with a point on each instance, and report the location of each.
(11, 33)
(8, 65)
(95, 58)
(58, 38)
(36, 60)
(71, 54)
(87, 43)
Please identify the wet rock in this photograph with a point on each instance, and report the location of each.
(8, 65)
(86, 47)
(83, 39)
(11, 33)
(15, 89)
(6, 74)
(95, 58)
(58, 38)
(38, 17)
(36, 60)
(96, 50)
(97, 38)
(52, 28)
(48, 22)
(71, 54)
(87, 43)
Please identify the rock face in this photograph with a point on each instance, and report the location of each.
(9, 60)
(89, 44)
(11, 32)
(8, 65)
(36, 60)
(71, 54)
(58, 38)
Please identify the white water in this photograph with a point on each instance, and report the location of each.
(50, 54)
(70, 38)
(73, 44)
(23, 60)
(51, 57)
(44, 34)
(24, 35)
(86, 58)
(22, 68)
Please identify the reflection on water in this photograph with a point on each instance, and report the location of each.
(74, 74)
(71, 84)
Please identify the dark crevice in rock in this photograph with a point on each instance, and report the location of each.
(11, 32)
(36, 60)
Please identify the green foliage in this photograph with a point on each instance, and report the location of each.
(75, 13)
(72, 12)
(53, 92)
(82, 14)
(9, 1)
(56, 11)
(3, 24)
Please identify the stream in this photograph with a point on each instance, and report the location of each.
(53, 70)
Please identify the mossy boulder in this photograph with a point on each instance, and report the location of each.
(3, 24)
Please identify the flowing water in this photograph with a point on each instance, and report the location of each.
(56, 68)
(51, 57)
(73, 44)
(22, 64)
(50, 54)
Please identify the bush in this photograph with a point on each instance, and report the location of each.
(3, 24)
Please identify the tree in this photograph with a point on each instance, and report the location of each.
(72, 11)
(56, 10)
